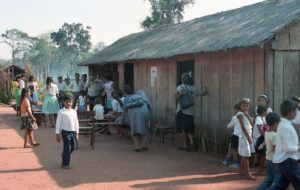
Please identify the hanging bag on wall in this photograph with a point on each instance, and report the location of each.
(186, 99)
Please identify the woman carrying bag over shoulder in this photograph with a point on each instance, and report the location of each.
(185, 95)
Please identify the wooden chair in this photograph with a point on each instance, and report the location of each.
(87, 124)
(165, 126)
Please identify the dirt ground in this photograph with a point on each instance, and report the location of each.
(111, 165)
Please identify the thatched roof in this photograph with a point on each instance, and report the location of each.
(249, 26)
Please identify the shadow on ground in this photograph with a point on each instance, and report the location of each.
(113, 160)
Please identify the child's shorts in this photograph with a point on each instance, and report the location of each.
(234, 142)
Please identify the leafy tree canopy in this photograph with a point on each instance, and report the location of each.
(165, 12)
(19, 42)
(73, 40)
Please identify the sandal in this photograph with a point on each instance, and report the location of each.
(136, 150)
(36, 144)
(27, 146)
(144, 148)
(182, 148)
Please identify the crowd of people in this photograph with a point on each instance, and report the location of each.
(270, 139)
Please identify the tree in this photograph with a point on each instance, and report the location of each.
(73, 40)
(165, 12)
(19, 42)
(99, 46)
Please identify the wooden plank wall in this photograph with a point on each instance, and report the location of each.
(228, 75)
(284, 65)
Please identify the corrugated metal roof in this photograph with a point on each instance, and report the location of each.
(248, 26)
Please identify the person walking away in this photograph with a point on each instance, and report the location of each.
(234, 139)
(245, 138)
(93, 88)
(109, 87)
(185, 116)
(17, 93)
(287, 149)
(272, 120)
(50, 105)
(67, 125)
(82, 101)
(33, 83)
(61, 87)
(76, 86)
(27, 119)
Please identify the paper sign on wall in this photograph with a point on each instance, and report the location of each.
(153, 75)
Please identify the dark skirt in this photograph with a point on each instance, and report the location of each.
(185, 122)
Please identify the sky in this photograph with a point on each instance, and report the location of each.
(109, 19)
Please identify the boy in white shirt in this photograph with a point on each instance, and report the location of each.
(234, 139)
(287, 148)
(67, 124)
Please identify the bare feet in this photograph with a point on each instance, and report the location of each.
(27, 146)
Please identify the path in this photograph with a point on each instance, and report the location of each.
(112, 165)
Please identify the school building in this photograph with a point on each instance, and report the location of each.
(238, 53)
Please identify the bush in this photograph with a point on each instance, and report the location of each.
(5, 97)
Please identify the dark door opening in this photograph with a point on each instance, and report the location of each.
(129, 74)
(185, 67)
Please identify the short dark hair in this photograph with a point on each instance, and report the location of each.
(272, 118)
(31, 87)
(98, 101)
(30, 78)
(67, 97)
(127, 89)
(59, 78)
(237, 106)
(296, 99)
(77, 74)
(287, 107)
(261, 109)
(84, 75)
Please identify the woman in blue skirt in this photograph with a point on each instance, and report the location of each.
(50, 104)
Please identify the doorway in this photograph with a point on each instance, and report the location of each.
(129, 74)
(185, 67)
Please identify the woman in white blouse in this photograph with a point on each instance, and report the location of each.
(50, 104)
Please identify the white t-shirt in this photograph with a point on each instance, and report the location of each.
(109, 89)
(236, 124)
(51, 90)
(247, 123)
(297, 118)
(81, 100)
(98, 108)
(269, 110)
(258, 121)
(116, 106)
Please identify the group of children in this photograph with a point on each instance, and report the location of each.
(260, 136)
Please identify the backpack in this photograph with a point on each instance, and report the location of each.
(186, 99)
(135, 102)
